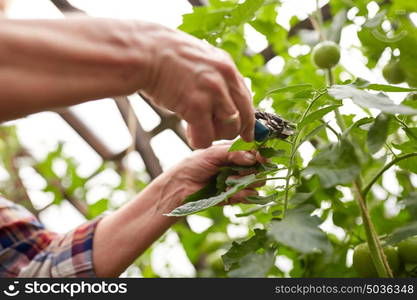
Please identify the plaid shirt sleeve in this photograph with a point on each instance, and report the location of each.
(27, 249)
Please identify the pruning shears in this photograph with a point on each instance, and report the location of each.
(270, 126)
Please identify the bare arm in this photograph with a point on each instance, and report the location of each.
(45, 64)
(51, 63)
(121, 237)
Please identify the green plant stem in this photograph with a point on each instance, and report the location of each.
(339, 119)
(390, 150)
(386, 167)
(294, 147)
(377, 254)
(331, 129)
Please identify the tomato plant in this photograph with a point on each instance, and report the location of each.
(316, 209)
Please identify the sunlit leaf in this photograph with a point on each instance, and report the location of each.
(365, 99)
(378, 133)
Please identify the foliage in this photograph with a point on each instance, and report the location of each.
(352, 152)
(314, 209)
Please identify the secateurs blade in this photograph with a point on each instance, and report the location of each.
(270, 126)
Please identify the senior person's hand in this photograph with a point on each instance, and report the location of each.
(195, 172)
(126, 233)
(200, 83)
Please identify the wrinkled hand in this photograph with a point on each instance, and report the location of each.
(195, 172)
(201, 84)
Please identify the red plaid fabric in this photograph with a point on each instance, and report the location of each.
(27, 249)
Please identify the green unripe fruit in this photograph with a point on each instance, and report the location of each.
(393, 73)
(407, 249)
(363, 264)
(326, 55)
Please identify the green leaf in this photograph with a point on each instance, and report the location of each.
(269, 152)
(210, 22)
(239, 250)
(358, 123)
(409, 164)
(207, 191)
(378, 132)
(402, 233)
(406, 147)
(244, 12)
(254, 265)
(312, 133)
(203, 22)
(291, 88)
(299, 198)
(411, 133)
(299, 230)
(363, 84)
(335, 164)
(251, 210)
(263, 199)
(241, 145)
(317, 115)
(368, 100)
(199, 205)
(97, 208)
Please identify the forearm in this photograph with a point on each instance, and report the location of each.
(121, 237)
(52, 63)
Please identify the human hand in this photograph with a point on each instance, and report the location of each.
(196, 171)
(200, 83)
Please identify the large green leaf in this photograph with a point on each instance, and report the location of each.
(335, 164)
(364, 84)
(299, 230)
(211, 22)
(199, 205)
(291, 88)
(299, 198)
(254, 265)
(241, 145)
(402, 233)
(378, 133)
(317, 115)
(239, 250)
(365, 99)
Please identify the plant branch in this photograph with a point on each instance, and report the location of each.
(386, 167)
(377, 253)
(294, 147)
